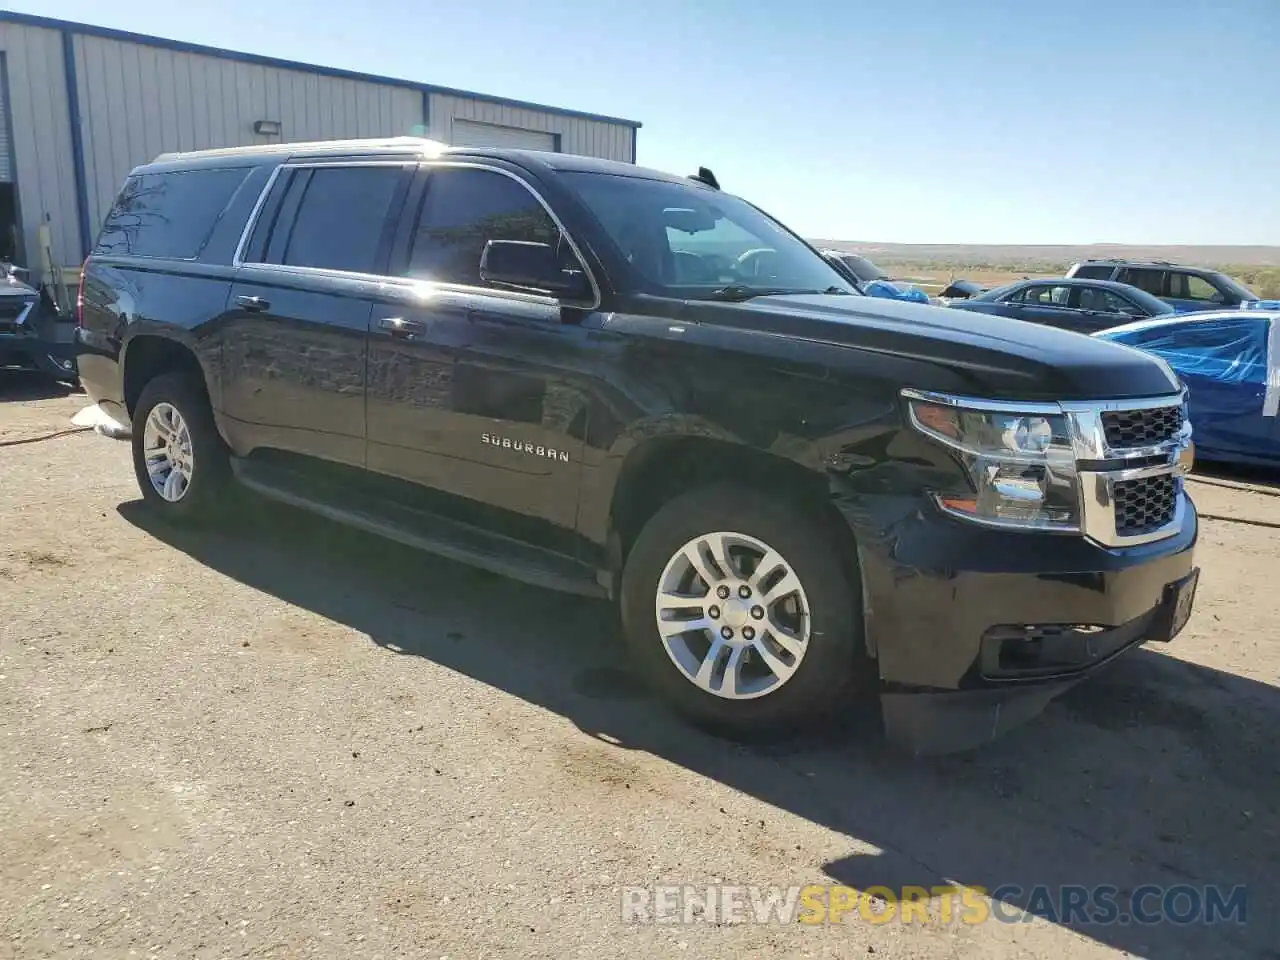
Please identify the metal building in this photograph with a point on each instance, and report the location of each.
(80, 106)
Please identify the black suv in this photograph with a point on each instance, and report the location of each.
(630, 385)
(1184, 288)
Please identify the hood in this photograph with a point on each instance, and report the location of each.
(1005, 359)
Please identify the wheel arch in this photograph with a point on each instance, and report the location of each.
(148, 354)
(661, 468)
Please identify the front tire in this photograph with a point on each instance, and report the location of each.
(742, 613)
(179, 458)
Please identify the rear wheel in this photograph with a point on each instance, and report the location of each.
(742, 613)
(179, 458)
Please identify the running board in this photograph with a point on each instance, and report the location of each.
(431, 533)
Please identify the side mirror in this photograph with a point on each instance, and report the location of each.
(534, 266)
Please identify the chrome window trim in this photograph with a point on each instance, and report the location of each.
(1095, 487)
(424, 289)
(410, 283)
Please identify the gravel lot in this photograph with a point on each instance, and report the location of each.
(284, 739)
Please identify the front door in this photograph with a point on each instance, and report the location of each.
(472, 387)
(296, 337)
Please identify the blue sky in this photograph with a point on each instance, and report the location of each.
(918, 121)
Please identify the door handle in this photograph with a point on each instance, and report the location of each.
(401, 327)
(253, 303)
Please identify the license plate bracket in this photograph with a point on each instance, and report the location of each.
(1175, 608)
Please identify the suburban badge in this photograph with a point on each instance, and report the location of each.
(524, 446)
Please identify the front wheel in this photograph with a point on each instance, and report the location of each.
(742, 613)
(179, 458)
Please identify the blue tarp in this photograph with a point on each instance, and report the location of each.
(891, 291)
(1232, 369)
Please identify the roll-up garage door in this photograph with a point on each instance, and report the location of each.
(6, 167)
(469, 133)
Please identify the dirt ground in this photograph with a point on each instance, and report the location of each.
(284, 739)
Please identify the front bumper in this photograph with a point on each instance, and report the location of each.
(39, 354)
(976, 630)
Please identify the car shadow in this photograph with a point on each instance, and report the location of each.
(1156, 772)
(19, 385)
(1257, 476)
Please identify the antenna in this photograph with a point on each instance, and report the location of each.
(704, 175)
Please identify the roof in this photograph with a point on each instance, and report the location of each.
(1076, 282)
(411, 145)
(1139, 262)
(108, 33)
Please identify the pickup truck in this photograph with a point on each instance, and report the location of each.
(797, 496)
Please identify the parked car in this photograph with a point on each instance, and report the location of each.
(960, 289)
(1184, 288)
(31, 334)
(871, 280)
(1084, 306)
(1230, 361)
(794, 493)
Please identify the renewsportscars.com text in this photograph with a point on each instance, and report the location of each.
(819, 904)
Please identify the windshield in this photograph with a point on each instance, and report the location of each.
(1236, 287)
(690, 241)
(862, 268)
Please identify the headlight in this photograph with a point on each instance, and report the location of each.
(1021, 465)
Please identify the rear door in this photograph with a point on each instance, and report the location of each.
(294, 360)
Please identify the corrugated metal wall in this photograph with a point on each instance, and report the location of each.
(590, 138)
(41, 137)
(138, 101)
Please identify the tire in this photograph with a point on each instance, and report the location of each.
(832, 662)
(204, 453)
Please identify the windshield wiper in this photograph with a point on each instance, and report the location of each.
(738, 292)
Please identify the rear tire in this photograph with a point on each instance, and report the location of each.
(179, 458)
(790, 635)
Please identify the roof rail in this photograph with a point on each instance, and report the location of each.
(414, 144)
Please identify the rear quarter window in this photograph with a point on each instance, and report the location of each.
(1093, 272)
(168, 215)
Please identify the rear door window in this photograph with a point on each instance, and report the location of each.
(341, 220)
(168, 215)
(1149, 279)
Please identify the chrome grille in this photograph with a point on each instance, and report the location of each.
(1145, 504)
(1126, 429)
